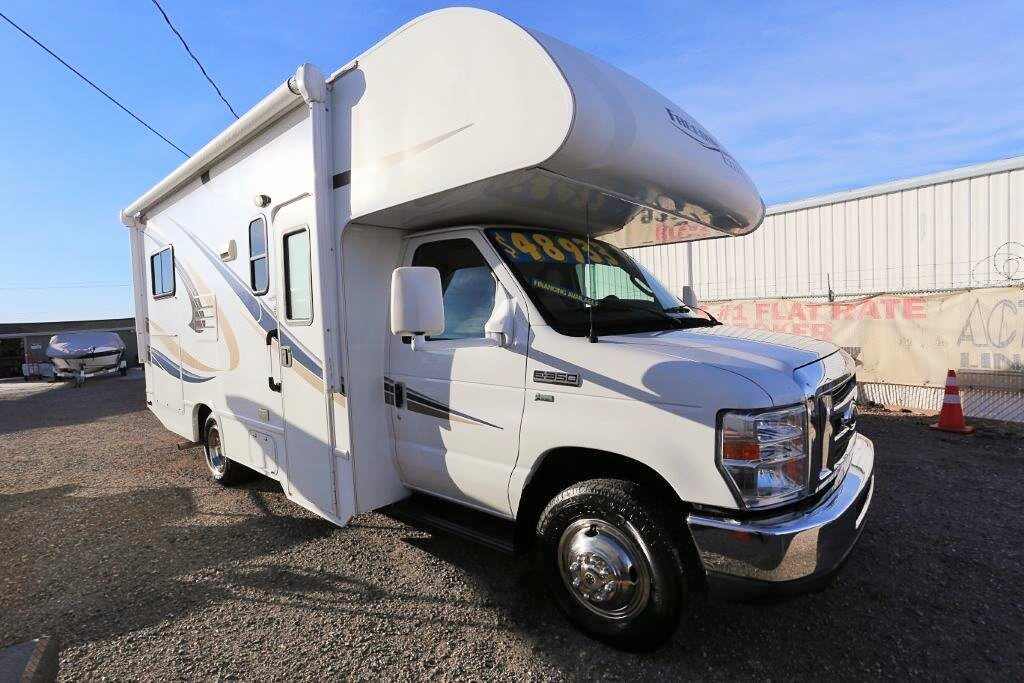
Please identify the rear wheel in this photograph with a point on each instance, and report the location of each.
(612, 564)
(223, 470)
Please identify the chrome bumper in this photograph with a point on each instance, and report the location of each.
(793, 547)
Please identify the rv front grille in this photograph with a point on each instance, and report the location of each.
(835, 423)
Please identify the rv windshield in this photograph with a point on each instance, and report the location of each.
(567, 287)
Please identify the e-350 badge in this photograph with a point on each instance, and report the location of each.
(565, 379)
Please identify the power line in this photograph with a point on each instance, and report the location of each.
(194, 58)
(96, 87)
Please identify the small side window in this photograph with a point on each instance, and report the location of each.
(467, 284)
(161, 270)
(259, 265)
(298, 278)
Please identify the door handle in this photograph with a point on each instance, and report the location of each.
(274, 385)
(286, 356)
(399, 394)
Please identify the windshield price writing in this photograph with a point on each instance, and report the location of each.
(529, 246)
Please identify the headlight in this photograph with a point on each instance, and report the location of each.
(765, 454)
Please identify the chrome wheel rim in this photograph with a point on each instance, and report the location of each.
(215, 459)
(604, 569)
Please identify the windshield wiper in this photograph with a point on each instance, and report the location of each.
(713, 319)
(630, 306)
(686, 309)
(678, 323)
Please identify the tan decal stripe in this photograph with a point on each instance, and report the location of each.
(313, 380)
(426, 410)
(229, 339)
(455, 416)
(390, 160)
(175, 348)
(222, 320)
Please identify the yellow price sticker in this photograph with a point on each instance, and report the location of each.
(545, 247)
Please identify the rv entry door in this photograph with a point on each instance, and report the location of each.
(309, 476)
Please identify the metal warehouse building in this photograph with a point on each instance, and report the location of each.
(18, 338)
(959, 229)
(916, 276)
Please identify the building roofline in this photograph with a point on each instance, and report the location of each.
(962, 173)
(52, 327)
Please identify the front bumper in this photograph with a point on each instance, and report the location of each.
(792, 550)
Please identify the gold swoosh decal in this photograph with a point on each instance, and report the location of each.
(229, 339)
(174, 347)
(390, 160)
(222, 321)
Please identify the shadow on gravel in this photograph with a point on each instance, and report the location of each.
(60, 404)
(338, 595)
(933, 587)
(509, 583)
(932, 590)
(131, 546)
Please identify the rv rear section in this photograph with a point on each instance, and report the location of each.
(412, 277)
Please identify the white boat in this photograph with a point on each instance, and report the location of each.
(86, 353)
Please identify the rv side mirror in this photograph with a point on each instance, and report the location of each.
(417, 306)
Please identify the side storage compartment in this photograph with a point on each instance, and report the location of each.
(263, 451)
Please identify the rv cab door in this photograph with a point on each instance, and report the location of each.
(457, 411)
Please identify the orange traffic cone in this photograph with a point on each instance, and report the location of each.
(951, 417)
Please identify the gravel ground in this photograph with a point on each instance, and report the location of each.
(117, 544)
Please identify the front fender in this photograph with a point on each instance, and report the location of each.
(676, 441)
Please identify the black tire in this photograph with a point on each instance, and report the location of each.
(223, 469)
(646, 603)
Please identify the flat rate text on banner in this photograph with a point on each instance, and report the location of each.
(902, 339)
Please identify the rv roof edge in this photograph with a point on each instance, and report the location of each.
(282, 99)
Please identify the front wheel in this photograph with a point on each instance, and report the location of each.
(612, 564)
(223, 470)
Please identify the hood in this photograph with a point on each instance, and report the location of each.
(766, 358)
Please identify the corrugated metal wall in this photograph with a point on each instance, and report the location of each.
(953, 230)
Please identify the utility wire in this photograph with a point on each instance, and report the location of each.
(194, 58)
(96, 87)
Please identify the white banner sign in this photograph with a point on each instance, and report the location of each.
(900, 339)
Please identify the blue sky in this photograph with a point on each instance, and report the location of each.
(810, 97)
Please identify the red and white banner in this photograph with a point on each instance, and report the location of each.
(902, 339)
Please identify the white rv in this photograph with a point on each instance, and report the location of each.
(406, 277)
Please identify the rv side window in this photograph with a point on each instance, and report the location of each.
(259, 268)
(298, 277)
(161, 270)
(467, 283)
